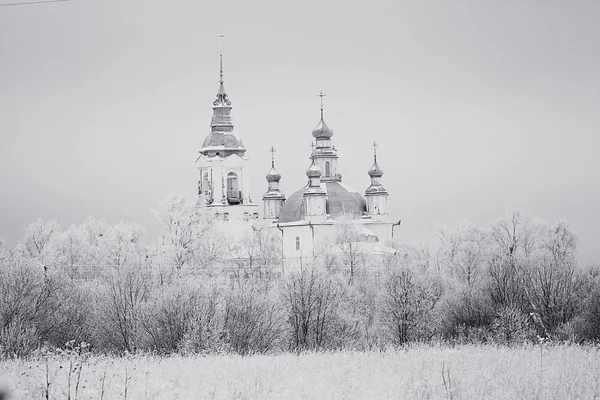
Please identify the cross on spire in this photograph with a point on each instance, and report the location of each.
(272, 150)
(375, 145)
(221, 36)
(321, 95)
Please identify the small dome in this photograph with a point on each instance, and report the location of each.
(322, 131)
(273, 175)
(314, 171)
(375, 171)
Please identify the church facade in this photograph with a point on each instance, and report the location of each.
(321, 218)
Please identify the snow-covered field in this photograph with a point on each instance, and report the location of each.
(465, 372)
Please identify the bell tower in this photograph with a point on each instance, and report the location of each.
(223, 182)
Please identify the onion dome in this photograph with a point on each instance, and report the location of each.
(375, 171)
(273, 175)
(322, 131)
(314, 171)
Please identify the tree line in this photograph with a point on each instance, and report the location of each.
(199, 291)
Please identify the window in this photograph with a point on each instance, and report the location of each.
(233, 189)
(327, 169)
(255, 215)
(226, 216)
(297, 242)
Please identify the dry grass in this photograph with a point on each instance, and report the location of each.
(468, 372)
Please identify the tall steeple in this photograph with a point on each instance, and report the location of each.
(222, 140)
(224, 176)
(273, 199)
(376, 194)
(325, 154)
(221, 94)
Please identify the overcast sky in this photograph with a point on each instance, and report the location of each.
(478, 106)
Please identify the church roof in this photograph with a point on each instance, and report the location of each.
(340, 199)
(225, 140)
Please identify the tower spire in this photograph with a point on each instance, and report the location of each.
(321, 95)
(272, 150)
(221, 57)
(375, 145)
(222, 98)
(221, 80)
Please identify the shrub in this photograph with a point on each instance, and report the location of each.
(253, 318)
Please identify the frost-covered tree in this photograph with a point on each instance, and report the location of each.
(409, 303)
(257, 253)
(187, 227)
(553, 282)
(36, 239)
(463, 253)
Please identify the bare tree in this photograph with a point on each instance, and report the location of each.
(464, 253)
(257, 254)
(253, 317)
(516, 234)
(121, 302)
(186, 226)
(312, 300)
(409, 303)
(515, 239)
(169, 314)
(37, 236)
(553, 282)
(350, 240)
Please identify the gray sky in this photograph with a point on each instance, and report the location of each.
(478, 106)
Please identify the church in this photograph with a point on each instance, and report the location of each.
(322, 218)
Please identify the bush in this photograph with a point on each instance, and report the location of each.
(511, 326)
(169, 314)
(466, 313)
(409, 305)
(253, 318)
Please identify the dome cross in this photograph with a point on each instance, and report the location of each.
(375, 145)
(272, 150)
(321, 95)
(221, 37)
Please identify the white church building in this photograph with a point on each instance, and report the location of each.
(311, 219)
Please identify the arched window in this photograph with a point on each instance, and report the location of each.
(233, 188)
(327, 169)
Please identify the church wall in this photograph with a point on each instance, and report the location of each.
(272, 208)
(242, 212)
(383, 230)
(310, 247)
(377, 206)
